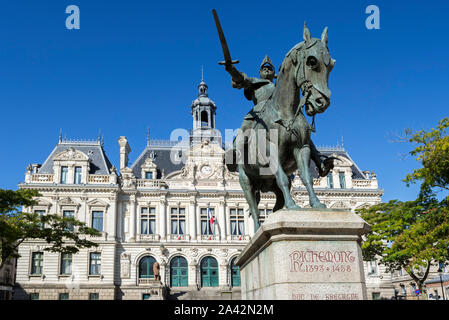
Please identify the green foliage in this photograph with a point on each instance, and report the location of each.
(17, 226)
(433, 154)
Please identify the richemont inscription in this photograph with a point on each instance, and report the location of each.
(321, 261)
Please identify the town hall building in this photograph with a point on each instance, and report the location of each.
(176, 205)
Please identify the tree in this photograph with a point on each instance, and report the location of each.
(413, 235)
(410, 235)
(433, 154)
(17, 226)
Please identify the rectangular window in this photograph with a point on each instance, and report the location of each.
(237, 220)
(64, 174)
(341, 175)
(66, 263)
(34, 296)
(37, 261)
(40, 213)
(94, 296)
(148, 220)
(97, 220)
(206, 227)
(263, 214)
(330, 181)
(146, 296)
(64, 296)
(148, 175)
(95, 263)
(69, 214)
(77, 175)
(178, 221)
(376, 295)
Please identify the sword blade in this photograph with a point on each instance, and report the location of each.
(224, 45)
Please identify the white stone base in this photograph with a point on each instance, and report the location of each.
(307, 254)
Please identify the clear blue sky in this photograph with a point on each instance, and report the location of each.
(137, 64)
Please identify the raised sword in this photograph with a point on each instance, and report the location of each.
(224, 45)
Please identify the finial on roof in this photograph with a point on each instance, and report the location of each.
(202, 73)
(148, 137)
(342, 142)
(60, 135)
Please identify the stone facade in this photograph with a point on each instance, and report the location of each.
(158, 209)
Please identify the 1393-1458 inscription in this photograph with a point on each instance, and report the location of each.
(321, 261)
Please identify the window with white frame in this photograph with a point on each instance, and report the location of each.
(148, 220)
(95, 263)
(148, 175)
(178, 221)
(40, 213)
(77, 177)
(330, 181)
(372, 267)
(66, 264)
(341, 176)
(237, 220)
(207, 228)
(97, 220)
(37, 262)
(68, 214)
(263, 214)
(64, 174)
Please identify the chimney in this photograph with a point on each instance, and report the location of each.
(124, 150)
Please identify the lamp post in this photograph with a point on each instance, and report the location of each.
(440, 272)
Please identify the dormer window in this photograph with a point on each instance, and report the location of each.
(64, 174)
(148, 175)
(78, 171)
(341, 176)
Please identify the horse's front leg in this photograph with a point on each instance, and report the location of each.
(283, 182)
(251, 196)
(302, 157)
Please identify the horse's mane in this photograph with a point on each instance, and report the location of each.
(298, 46)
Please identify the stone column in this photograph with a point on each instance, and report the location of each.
(223, 274)
(112, 218)
(193, 280)
(163, 218)
(133, 219)
(192, 218)
(222, 219)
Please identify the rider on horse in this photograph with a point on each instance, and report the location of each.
(259, 91)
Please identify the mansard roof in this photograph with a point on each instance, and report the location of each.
(160, 152)
(99, 162)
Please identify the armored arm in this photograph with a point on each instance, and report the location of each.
(239, 79)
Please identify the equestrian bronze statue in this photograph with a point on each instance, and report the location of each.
(274, 140)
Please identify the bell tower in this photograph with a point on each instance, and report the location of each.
(203, 114)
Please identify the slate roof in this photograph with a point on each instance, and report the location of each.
(444, 278)
(99, 164)
(163, 161)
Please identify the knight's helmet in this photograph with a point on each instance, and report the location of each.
(267, 62)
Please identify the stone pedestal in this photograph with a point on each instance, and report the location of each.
(305, 254)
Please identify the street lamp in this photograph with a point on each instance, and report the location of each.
(440, 272)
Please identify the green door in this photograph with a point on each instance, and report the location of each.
(209, 272)
(235, 274)
(146, 267)
(179, 272)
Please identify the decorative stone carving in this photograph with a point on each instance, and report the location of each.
(125, 266)
(71, 154)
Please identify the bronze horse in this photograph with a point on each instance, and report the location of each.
(305, 70)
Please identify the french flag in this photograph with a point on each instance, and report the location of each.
(211, 218)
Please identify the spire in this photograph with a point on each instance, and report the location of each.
(202, 87)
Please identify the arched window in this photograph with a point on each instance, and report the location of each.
(146, 267)
(209, 272)
(204, 119)
(235, 274)
(179, 272)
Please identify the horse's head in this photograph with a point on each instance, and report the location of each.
(313, 65)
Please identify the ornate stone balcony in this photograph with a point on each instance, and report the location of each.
(364, 184)
(151, 183)
(41, 178)
(148, 237)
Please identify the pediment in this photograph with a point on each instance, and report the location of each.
(68, 202)
(71, 154)
(97, 203)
